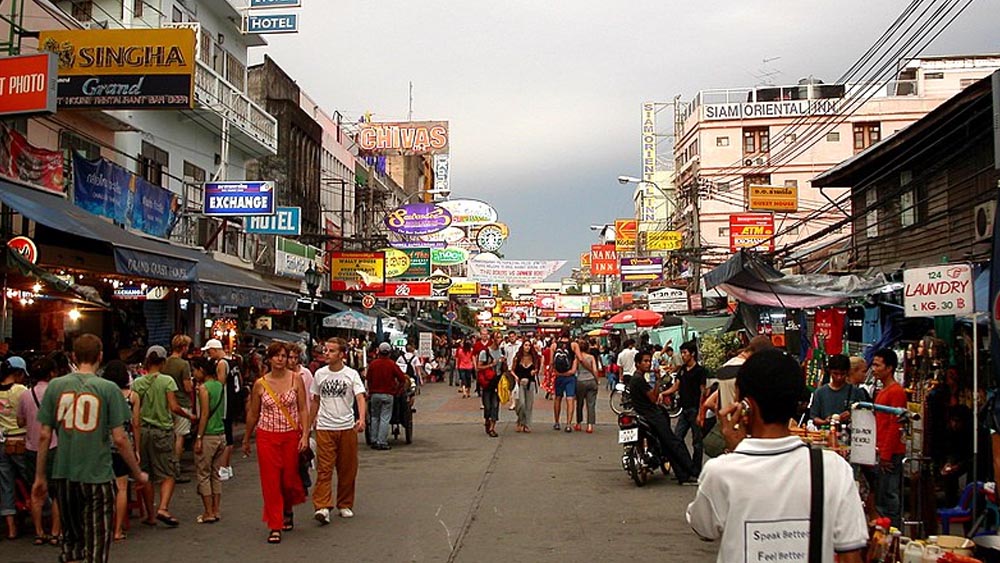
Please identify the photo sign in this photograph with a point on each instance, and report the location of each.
(123, 68)
(938, 290)
(238, 199)
(28, 84)
(418, 219)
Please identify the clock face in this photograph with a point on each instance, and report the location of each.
(490, 238)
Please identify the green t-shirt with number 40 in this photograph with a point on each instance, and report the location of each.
(82, 409)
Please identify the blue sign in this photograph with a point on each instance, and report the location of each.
(286, 221)
(272, 23)
(106, 189)
(237, 199)
(275, 3)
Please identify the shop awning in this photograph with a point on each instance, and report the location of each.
(55, 286)
(134, 255)
(221, 284)
(268, 336)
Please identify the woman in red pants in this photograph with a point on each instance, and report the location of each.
(278, 412)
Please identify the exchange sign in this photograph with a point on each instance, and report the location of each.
(418, 219)
(750, 230)
(238, 199)
(404, 138)
(28, 84)
(357, 271)
(938, 290)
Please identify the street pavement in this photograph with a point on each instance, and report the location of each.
(453, 495)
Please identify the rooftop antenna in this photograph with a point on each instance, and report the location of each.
(410, 113)
(765, 74)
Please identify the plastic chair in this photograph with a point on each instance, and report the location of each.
(961, 513)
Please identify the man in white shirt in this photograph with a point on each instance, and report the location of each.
(409, 359)
(626, 359)
(769, 519)
(510, 348)
(334, 390)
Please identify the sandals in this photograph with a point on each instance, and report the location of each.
(40, 540)
(289, 524)
(568, 428)
(121, 538)
(527, 430)
(274, 536)
(167, 519)
(202, 520)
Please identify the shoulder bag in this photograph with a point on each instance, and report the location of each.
(816, 506)
(306, 456)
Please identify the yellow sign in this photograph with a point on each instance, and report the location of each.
(663, 240)
(625, 234)
(464, 288)
(96, 52)
(585, 261)
(774, 198)
(357, 271)
(397, 262)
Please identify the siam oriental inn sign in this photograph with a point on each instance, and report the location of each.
(785, 108)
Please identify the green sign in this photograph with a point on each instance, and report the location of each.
(450, 256)
(292, 259)
(420, 263)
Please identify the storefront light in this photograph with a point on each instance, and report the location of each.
(209, 323)
(37, 288)
(74, 315)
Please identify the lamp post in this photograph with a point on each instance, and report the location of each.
(313, 279)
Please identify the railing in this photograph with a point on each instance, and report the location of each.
(212, 91)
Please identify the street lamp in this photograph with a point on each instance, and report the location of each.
(313, 280)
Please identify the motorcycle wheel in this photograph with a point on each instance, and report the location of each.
(635, 468)
(674, 410)
(616, 402)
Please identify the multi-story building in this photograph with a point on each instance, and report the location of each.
(728, 140)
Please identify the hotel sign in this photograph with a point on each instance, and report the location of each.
(774, 198)
(649, 141)
(759, 110)
(123, 68)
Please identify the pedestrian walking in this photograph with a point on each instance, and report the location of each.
(564, 364)
(488, 366)
(178, 368)
(888, 437)
(12, 455)
(210, 440)
(278, 413)
(807, 506)
(527, 362)
(117, 372)
(465, 363)
(586, 387)
(385, 381)
(626, 360)
(158, 403)
(42, 371)
(335, 391)
(691, 383)
(230, 380)
(90, 414)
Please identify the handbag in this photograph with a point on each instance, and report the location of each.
(305, 456)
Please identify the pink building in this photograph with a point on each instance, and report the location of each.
(728, 140)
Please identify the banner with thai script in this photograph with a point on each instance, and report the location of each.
(103, 188)
(513, 272)
(25, 162)
(641, 269)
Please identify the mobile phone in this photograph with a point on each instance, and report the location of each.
(744, 409)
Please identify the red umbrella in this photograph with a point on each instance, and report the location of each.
(641, 317)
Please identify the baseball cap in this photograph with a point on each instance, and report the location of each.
(158, 351)
(384, 348)
(17, 362)
(213, 344)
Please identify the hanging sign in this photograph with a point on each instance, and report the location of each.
(451, 256)
(774, 198)
(286, 221)
(25, 247)
(397, 262)
(513, 272)
(28, 84)
(585, 261)
(425, 346)
(237, 199)
(625, 234)
(368, 301)
(938, 291)
(863, 437)
(418, 219)
(405, 289)
(262, 4)
(420, 263)
(603, 260)
(668, 300)
(469, 212)
(403, 138)
(750, 231)
(641, 269)
(357, 271)
(662, 240)
(463, 288)
(271, 23)
(440, 282)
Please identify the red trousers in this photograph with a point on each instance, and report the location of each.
(278, 460)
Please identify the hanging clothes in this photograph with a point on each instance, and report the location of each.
(830, 329)
(872, 329)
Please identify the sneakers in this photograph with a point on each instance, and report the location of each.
(322, 516)
(225, 473)
(346, 513)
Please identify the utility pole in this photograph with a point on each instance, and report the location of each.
(409, 115)
(696, 238)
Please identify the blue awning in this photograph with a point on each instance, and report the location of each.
(134, 255)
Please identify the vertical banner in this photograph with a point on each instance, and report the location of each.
(426, 345)
(23, 161)
(626, 231)
(649, 141)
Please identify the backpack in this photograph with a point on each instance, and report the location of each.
(410, 371)
(561, 360)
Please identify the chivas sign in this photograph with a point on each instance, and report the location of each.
(404, 138)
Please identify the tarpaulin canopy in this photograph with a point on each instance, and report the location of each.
(351, 320)
(749, 279)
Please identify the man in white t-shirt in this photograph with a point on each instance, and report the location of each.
(510, 348)
(626, 359)
(769, 519)
(334, 390)
(410, 359)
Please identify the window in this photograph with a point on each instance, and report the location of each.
(205, 47)
(722, 141)
(871, 220)
(723, 231)
(177, 16)
(137, 8)
(83, 10)
(754, 180)
(934, 75)
(866, 135)
(791, 138)
(756, 140)
(791, 183)
(236, 73)
(907, 209)
(194, 183)
(833, 137)
(70, 141)
(153, 162)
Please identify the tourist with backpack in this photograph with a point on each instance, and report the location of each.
(409, 363)
(564, 365)
(489, 368)
(229, 376)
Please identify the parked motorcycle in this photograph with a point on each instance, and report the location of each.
(641, 451)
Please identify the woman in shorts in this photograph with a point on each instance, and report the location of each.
(117, 372)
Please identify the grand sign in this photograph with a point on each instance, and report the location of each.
(418, 219)
(28, 84)
(756, 110)
(123, 68)
(404, 138)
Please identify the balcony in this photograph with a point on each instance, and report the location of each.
(252, 127)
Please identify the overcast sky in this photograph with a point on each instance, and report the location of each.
(543, 96)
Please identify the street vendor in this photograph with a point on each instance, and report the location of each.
(835, 397)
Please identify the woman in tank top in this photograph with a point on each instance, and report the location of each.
(278, 413)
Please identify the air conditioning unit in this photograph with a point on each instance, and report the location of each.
(98, 24)
(756, 161)
(983, 219)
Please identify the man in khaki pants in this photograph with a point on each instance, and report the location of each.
(334, 390)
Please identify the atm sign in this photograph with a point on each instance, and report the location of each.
(753, 231)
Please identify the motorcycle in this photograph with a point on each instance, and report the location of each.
(641, 451)
(621, 402)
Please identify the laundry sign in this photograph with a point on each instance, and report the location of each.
(938, 291)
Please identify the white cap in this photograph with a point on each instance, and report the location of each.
(158, 351)
(384, 348)
(213, 344)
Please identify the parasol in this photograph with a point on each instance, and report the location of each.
(641, 317)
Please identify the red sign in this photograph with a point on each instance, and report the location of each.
(545, 301)
(368, 301)
(28, 84)
(25, 247)
(751, 231)
(603, 260)
(28, 163)
(404, 289)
